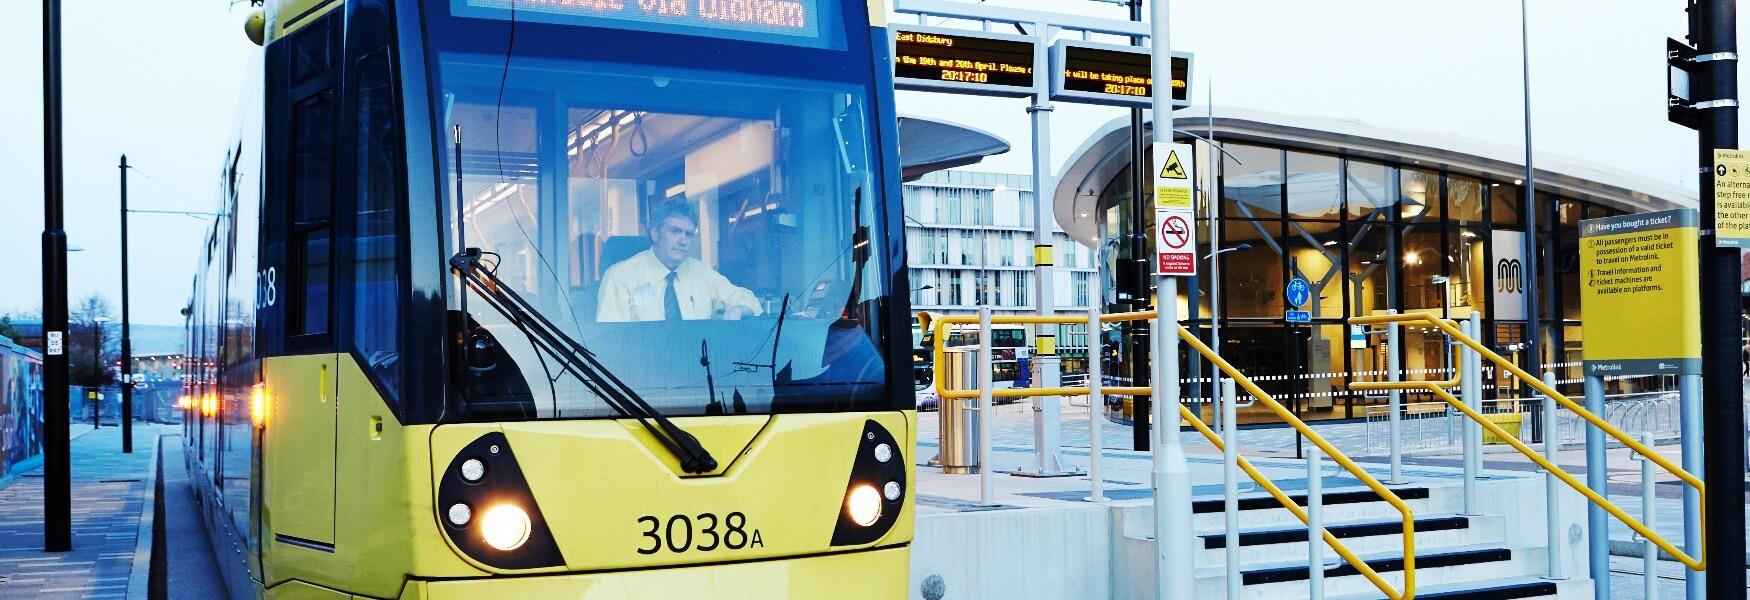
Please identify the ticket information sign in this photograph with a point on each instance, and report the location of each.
(1096, 73)
(1731, 198)
(1640, 293)
(967, 62)
(1175, 211)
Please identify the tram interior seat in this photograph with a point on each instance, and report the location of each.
(616, 249)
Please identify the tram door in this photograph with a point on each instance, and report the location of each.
(303, 104)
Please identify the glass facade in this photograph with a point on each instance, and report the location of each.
(1368, 236)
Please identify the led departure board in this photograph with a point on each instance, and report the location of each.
(966, 62)
(1115, 75)
(782, 21)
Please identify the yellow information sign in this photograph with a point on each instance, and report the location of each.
(1732, 198)
(1173, 179)
(1640, 294)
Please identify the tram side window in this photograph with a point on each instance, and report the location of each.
(375, 322)
(312, 201)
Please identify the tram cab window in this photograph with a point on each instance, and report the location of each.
(709, 236)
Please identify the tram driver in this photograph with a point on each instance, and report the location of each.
(664, 283)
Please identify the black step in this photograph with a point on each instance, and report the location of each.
(1380, 565)
(1215, 505)
(1530, 589)
(1290, 535)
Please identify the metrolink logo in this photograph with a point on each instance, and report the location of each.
(1509, 276)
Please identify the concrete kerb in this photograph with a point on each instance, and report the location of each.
(139, 575)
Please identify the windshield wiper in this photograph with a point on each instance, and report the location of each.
(579, 362)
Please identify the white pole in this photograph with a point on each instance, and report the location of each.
(1315, 526)
(1649, 551)
(1172, 474)
(1689, 411)
(1395, 399)
(1466, 397)
(1552, 487)
(1047, 410)
(986, 484)
(1230, 489)
(1096, 400)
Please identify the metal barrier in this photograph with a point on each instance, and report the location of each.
(984, 319)
(1651, 413)
(1479, 351)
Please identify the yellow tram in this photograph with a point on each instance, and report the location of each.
(558, 298)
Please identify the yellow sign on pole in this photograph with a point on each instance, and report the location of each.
(1640, 294)
(1731, 198)
(1173, 179)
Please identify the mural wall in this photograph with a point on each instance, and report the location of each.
(21, 406)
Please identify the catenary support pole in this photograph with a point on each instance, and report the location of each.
(986, 483)
(1721, 325)
(1552, 486)
(127, 339)
(1047, 410)
(1172, 475)
(1597, 521)
(1533, 341)
(57, 466)
(1135, 275)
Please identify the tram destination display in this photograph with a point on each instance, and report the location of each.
(784, 21)
(965, 62)
(1097, 73)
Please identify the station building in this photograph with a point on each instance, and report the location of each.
(1374, 220)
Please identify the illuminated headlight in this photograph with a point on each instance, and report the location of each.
(864, 505)
(472, 470)
(891, 490)
(883, 453)
(460, 513)
(506, 527)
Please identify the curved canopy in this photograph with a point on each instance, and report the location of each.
(927, 145)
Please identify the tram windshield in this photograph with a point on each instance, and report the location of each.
(708, 235)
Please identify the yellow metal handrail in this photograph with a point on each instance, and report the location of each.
(1452, 331)
(1378, 488)
(938, 328)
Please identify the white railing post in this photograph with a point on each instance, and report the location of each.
(1315, 526)
(1096, 401)
(1552, 486)
(986, 416)
(1468, 398)
(1649, 551)
(1395, 401)
(1230, 488)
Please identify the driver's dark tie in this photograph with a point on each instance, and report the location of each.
(671, 303)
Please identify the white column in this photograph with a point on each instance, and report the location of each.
(1047, 410)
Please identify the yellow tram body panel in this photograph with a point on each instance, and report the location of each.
(592, 479)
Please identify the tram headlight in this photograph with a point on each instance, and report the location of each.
(506, 527)
(863, 505)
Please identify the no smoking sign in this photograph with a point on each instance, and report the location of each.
(1175, 242)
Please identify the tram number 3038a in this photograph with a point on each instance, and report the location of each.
(677, 533)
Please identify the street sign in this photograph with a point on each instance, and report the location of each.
(1297, 316)
(1175, 240)
(961, 61)
(1096, 73)
(1731, 198)
(1640, 292)
(1298, 292)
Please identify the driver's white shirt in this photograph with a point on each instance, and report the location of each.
(632, 290)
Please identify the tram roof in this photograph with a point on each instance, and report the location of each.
(1103, 156)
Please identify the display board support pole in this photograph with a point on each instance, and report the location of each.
(1047, 410)
(1597, 522)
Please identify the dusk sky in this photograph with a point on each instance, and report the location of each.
(159, 81)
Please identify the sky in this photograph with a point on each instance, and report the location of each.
(159, 81)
